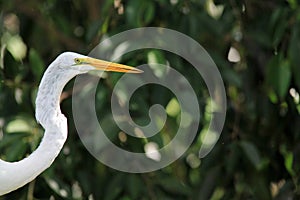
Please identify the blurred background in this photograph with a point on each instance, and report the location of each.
(256, 46)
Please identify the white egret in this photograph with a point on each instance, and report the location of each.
(14, 175)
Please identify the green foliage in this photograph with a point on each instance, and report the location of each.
(257, 156)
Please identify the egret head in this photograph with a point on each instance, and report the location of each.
(61, 70)
(83, 64)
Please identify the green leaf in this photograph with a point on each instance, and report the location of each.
(155, 60)
(293, 54)
(135, 185)
(58, 186)
(279, 75)
(278, 25)
(288, 162)
(114, 187)
(218, 194)
(140, 13)
(173, 108)
(172, 185)
(284, 78)
(252, 153)
(16, 151)
(18, 125)
(288, 159)
(232, 77)
(293, 3)
(12, 139)
(17, 47)
(36, 63)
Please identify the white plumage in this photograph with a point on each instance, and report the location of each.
(67, 65)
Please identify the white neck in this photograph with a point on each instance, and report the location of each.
(16, 174)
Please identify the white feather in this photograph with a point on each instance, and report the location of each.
(16, 174)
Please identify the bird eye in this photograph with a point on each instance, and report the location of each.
(77, 61)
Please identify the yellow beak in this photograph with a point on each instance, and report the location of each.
(107, 66)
